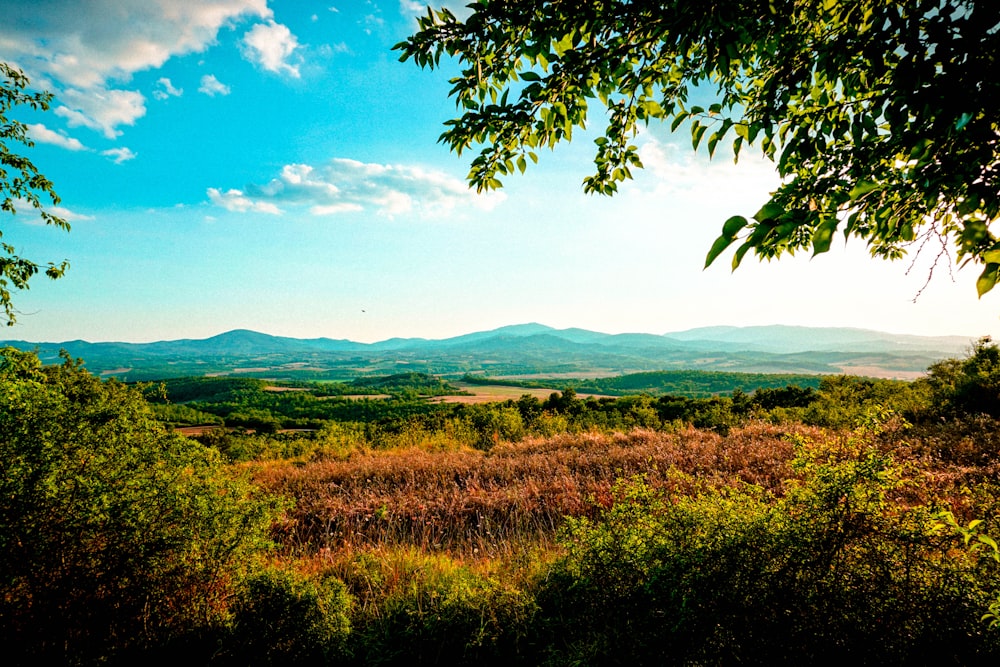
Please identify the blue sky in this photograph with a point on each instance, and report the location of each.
(272, 166)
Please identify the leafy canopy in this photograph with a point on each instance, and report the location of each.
(880, 114)
(21, 185)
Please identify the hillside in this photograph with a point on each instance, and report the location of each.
(528, 350)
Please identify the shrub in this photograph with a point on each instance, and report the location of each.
(282, 617)
(115, 534)
(420, 609)
(832, 571)
(968, 386)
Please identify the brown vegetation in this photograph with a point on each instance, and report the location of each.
(472, 503)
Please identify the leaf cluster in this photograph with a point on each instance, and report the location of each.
(21, 184)
(880, 116)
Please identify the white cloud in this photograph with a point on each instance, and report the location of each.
(343, 185)
(40, 133)
(330, 50)
(457, 7)
(166, 89)
(679, 171)
(235, 200)
(270, 45)
(28, 214)
(119, 155)
(102, 110)
(68, 215)
(86, 46)
(211, 86)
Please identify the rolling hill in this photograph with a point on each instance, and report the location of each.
(518, 350)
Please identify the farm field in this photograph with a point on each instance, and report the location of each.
(488, 393)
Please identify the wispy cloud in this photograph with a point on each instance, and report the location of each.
(271, 46)
(39, 132)
(342, 185)
(82, 48)
(28, 214)
(119, 155)
(235, 200)
(166, 89)
(211, 86)
(68, 215)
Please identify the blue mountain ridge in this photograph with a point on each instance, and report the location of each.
(523, 349)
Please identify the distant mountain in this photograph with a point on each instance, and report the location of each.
(782, 338)
(519, 350)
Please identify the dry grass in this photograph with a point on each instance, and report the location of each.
(470, 502)
(473, 504)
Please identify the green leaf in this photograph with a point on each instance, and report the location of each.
(712, 142)
(823, 236)
(530, 76)
(768, 211)
(863, 188)
(733, 225)
(697, 132)
(988, 278)
(740, 252)
(992, 256)
(720, 244)
(988, 541)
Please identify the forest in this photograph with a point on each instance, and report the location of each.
(367, 523)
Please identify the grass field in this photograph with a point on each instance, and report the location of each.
(486, 393)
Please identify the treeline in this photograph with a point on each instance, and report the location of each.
(691, 384)
(266, 407)
(340, 425)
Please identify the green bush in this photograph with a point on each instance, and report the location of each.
(282, 617)
(831, 571)
(429, 610)
(969, 386)
(116, 535)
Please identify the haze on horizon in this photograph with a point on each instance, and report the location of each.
(271, 166)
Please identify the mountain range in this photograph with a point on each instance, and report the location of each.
(519, 350)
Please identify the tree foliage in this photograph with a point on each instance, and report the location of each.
(968, 386)
(115, 533)
(21, 184)
(881, 115)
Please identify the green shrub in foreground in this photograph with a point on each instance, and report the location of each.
(116, 535)
(282, 617)
(418, 609)
(831, 571)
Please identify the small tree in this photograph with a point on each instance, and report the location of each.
(115, 533)
(968, 386)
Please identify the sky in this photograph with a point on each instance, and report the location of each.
(270, 165)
